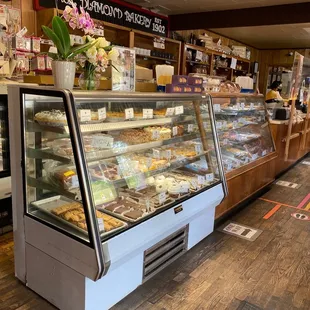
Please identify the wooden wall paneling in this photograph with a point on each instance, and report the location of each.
(28, 16)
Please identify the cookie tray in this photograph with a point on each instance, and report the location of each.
(47, 205)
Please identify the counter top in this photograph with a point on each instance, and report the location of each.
(285, 122)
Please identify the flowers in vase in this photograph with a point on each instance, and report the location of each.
(97, 57)
(78, 19)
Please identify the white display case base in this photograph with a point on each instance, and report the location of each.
(68, 289)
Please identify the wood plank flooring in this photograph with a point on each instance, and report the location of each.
(220, 272)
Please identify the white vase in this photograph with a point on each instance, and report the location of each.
(63, 73)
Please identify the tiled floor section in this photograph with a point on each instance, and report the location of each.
(220, 272)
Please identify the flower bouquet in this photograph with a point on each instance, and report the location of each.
(94, 61)
(64, 59)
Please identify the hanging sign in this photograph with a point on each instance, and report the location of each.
(118, 12)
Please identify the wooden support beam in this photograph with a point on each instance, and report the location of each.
(259, 16)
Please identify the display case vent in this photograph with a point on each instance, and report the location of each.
(164, 253)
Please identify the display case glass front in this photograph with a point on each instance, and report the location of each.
(243, 129)
(105, 162)
(4, 138)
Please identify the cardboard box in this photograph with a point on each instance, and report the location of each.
(144, 73)
(240, 50)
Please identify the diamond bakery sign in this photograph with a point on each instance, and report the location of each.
(116, 12)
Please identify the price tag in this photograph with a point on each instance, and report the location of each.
(155, 134)
(201, 179)
(102, 141)
(217, 108)
(100, 224)
(102, 113)
(174, 131)
(252, 106)
(129, 113)
(148, 205)
(179, 110)
(229, 166)
(254, 156)
(238, 106)
(209, 177)
(170, 112)
(194, 183)
(85, 115)
(198, 148)
(242, 106)
(235, 124)
(198, 55)
(219, 125)
(156, 154)
(162, 198)
(167, 154)
(190, 128)
(264, 152)
(225, 141)
(147, 113)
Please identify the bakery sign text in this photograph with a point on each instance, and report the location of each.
(118, 13)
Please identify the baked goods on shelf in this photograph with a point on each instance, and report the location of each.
(144, 135)
(92, 143)
(74, 214)
(64, 177)
(51, 118)
(103, 171)
(127, 208)
(58, 117)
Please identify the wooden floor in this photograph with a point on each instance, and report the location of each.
(222, 271)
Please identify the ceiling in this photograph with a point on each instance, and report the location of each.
(268, 37)
(171, 7)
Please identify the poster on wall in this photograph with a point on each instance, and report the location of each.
(118, 12)
(123, 70)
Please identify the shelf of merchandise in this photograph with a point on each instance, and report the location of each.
(105, 126)
(127, 37)
(104, 154)
(45, 183)
(212, 54)
(146, 41)
(147, 57)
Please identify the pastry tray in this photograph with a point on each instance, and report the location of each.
(122, 217)
(47, 205)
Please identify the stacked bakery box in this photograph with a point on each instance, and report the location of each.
(134, 172)
(185, 84)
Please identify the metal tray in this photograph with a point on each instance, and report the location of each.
(47, 205)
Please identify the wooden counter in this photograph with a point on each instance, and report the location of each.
(247, 180)
(279, 132)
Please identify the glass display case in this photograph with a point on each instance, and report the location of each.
(112, 188)
(243, 128)
(122, 160)
(4, 138)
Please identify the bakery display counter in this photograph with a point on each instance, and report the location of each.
(247, 146)
(112, 188)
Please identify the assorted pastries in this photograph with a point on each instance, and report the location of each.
(74, 214)
(144, 135)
